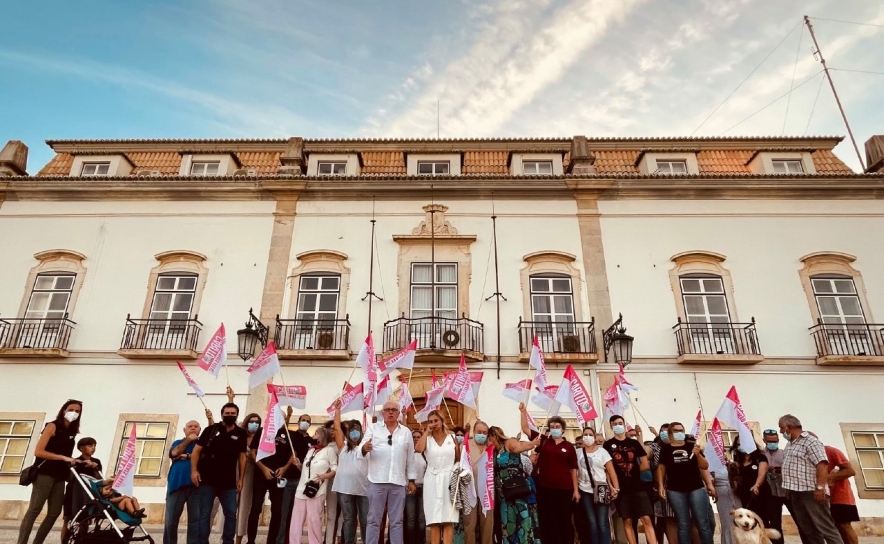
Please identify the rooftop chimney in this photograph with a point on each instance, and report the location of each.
(875, 154)
(292, 159)
(14, 159)
(582, 160)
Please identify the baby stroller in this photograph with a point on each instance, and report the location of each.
(95, 521)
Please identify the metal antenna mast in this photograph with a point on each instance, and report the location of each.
(817, 51)
(497, 294)
(370, 294)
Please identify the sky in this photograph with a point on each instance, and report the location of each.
(410, 68)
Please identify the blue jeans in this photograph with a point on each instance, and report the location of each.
(597, 519)
(227, 498)
(353, 508)
(175, 502)
(285, 515)
(415, 530)
(691, 505)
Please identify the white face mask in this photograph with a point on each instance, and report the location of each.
(71, 416)
(588, 440)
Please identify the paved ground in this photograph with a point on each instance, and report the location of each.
(9, 533)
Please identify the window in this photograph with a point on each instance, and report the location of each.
(15, 437)
(671, 167)
(837, 300)
(869, 448)
(150, 447)
(50, 296)
(552, 301)
(95, 169)
(205, 168)
(332, 168)
(170, 308)
(432, 168)
(787, 166)
(318, 299)
(706, 303)
(422, 297)
(537, 167)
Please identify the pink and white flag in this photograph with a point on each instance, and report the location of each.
(124, 480)
(432, 402)
(466, 464)
(371, 387)
(731, 414)
(616, 400)
(292, 395)
(402, 359)
(625, 384)
(385, 391)
(573, 393)
(215, 355)
(695, 430)
(714, 450)
(485, 480)
(536, 361)
(475, 380)
(366, 356)
(190, 381)
(531, 423)
(352, 400)
(516, 391)
(546, 400)
(406, 403)
(272, 424)
(265, 367)
(459, 386)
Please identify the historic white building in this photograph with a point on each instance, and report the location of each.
(754, 262)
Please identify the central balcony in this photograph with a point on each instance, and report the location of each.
(313, 338)
(849, 343)
(565, 342)
(160, 338)
(31, 337)
(724, 342)
(437, 337)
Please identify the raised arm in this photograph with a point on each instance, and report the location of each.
(422, 442)
(523, 410)
(339, 429)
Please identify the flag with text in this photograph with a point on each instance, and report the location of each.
(215, 355)
(124, 480)
(265, 367)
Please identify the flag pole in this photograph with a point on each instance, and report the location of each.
(634, 410)
(227, 373)
(285, 423)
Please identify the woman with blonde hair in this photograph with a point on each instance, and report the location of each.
(516, 494)
(319, 467)
(442, 454)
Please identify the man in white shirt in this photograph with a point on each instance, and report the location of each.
(391, 472)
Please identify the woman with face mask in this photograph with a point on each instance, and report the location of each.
(251, 425)
(680, 482)
(594, 468)
(53, 459)
(351, 481)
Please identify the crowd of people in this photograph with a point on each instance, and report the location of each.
(387, 483)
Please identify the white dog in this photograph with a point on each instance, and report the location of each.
(749, 528)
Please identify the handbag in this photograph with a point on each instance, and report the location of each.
(601, 493)
(29, 474)
(514, 484)
(311, 488)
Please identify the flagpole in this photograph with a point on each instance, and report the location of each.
(227, 373)
(700, 400)
(634, 410)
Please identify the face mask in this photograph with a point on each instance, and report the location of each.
(253, 427)
(619, 429)
(773, 446)
(304, 425)
(459, 439)
(355, 435)
(71, 416)
(678, 437)
(555, 433)
(787, 436)
(664, 435)
(588, 440)
(229, 420)
(480, 438)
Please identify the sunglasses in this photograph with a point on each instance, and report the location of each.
(390, 440)
(771, 431)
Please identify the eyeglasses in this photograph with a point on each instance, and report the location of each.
(770, 431)
(390, 440)
(390, 410)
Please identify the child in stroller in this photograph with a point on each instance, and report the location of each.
(125, 503)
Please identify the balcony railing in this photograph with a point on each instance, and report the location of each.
(434, 333)
(716, 338)
(856, 339)
(30, 333)
(576, 337)
(316, 334)
(161, 334)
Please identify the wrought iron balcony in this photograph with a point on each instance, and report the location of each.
(574, 340)
(435, 333)
(848, 340)
(313, 334)
(156, 337)
(735, 342)
(28, 336)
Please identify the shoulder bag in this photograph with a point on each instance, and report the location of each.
(601, 493)
(29, 474)
(513, 483)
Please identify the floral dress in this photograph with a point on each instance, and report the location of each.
(518, 518)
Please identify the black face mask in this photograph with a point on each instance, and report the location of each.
(229, 420)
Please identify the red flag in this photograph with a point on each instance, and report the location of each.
(406, 403)
(272, 424)
(265, 367)
(460, 387)
(215, 354)
(402, 359)
(731, 414)
(293, 395)
(124, 480)
(573, 394)
(433, 401)
(385, 391)
(353, 399)
(190, 381)
(516, 391)
(536, 361)
(366, 356)
(714, 450)
(485, 480)
(695, 430)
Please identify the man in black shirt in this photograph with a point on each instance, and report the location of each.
(272, 471)
(632, 468)
(217, 466)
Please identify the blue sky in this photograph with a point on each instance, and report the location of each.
(356, 68)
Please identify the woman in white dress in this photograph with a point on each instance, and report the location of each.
(442, 454)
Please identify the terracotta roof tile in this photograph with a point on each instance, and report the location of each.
(383, 162)
(608, 162)
(60, 165)
(263, 162)
(728, 161)
(826, 162)
(485, 162)
(167, 162)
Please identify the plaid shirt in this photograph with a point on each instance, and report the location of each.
(802, 455)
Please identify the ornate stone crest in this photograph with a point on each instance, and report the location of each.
(436, 218)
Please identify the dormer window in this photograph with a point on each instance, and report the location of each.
(204, 168)
(787, 166)
(540, 168)
(95, 169)
(433, 168)
(332, 168)
(666, 166)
